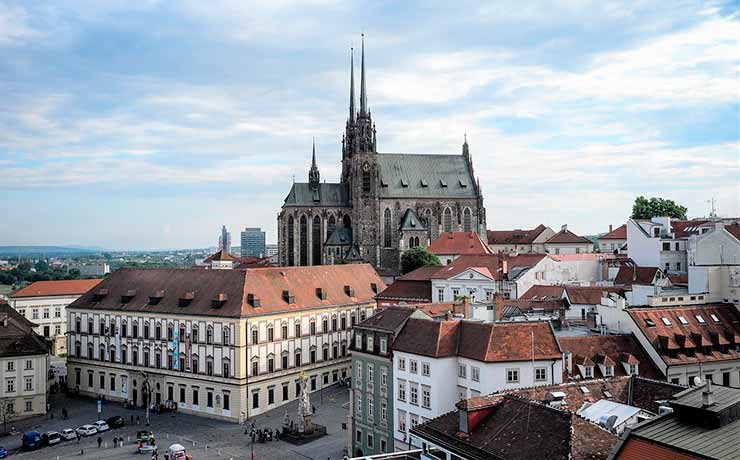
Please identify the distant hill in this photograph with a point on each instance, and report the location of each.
(26, 251)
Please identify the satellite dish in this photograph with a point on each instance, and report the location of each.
(610, 422)
(697, 381)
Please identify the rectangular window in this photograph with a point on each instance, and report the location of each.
(10, 386)
(666, 246)
(370, 440)
(369, 408)
(440, 295)
(270, 396)
(29, 406)
(285, 392)
(383, 345)
(11, 366)
(414, 391)
(383, 412)
(426, 397)
(475, 373)
(401, 364)
(358, 373)
(401, 390)
(196, 394)
(255, 400)
(370, 369)
(284, 332)
(209, 398)
(540, 374)
(255, 336)
(270, 334)
(462, 371)
(401, 421)
(358, 406)
(102, 381)
(383, 376)
(227, 401)
(425, 369)
(182, 395)
(512, 376)
(298, 329)
(413, 365)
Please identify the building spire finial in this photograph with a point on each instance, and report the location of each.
(363, 93)
(313, 154)
(351, 84)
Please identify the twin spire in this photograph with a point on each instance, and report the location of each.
(363, 92)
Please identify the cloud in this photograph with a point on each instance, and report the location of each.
(15, 28)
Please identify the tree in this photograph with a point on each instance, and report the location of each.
(418, 257)
(657, 207)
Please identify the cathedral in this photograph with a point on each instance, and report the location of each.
(384, 203)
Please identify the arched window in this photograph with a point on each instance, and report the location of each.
(101, 354)
(411, 242)
(291, 241)
(447, 220)
(194, 334)
(209, 334)
(227, 335)
(90, 351)
(112, 354)
(416, 242)
(346, 221)
(467, 220)
(366, 178)
(303, 241)
(181, 335)
(316, 241)
(331, 226)
(387, 227)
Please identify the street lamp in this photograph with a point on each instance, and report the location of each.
(147, 388)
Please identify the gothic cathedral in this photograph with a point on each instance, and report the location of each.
(384, 204)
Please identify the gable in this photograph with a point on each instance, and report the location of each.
(473, 273)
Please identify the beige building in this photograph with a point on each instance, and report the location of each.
(24, 364)
(44, 304)
(227, 344)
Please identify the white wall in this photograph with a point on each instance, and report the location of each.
(569, 248)
(47, 312)
(467, 283)
(643, 250)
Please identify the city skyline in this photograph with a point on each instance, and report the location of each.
(150, 127)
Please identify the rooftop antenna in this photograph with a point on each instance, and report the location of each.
(713, 212)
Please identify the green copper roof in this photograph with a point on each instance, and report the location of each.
(329, 195)
(404, 175)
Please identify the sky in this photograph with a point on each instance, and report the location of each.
(149, 124)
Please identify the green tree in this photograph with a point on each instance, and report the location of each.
(418, 257)
(657, 207)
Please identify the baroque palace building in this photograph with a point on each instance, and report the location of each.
(227, 344)
(384, 203)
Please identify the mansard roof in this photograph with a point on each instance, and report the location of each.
(405, 175)
(329, 195)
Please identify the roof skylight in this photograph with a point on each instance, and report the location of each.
(666, 321)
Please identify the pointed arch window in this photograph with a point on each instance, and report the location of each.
(411, 242)
(447, 220)
(331, 226)
(366, 182)
(467, 220)
(303, 238)
(316, 241)
(346, 221)
(291, 241)
(387, 227)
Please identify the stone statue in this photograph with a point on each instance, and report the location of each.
(305, 410)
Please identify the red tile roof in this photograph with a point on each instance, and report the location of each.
(54, 288)
(686, 228)
(589, 295)
(438, 310)
(619, 233)
(494, 264)
(517, 236)
(565, 236)
(627, 276)
(638, 449)
(220, 255)
(489, 342)
(420, 274)
(408, 290)
(234, 293)
(459, 243)
(679, 279)
(539, 291)
(616, 348)
(714, 339)
(734, 230)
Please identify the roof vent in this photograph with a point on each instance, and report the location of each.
(253, 301)
(186, 299)
(404, 183)
(288, 297)
(320, 293)
(374, 287)
(219, 300)
(383, 183)
(128, 295)
(463, 183)
(443, 183)
(424, 183)
(100, 294)
(349, 291)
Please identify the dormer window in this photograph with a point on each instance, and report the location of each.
(608, 371)
(649, 322)
(349, 291)
(374, 287)
(219, 300)
(128, 296)
(253, 300)
(463, 183)
(288, 297)
(443, 183)
(186, 299)
(155, 298)
(320, 293)
(588, 372)
(404, 183)
(100, 295)
(424, 183)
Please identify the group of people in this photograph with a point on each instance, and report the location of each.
(263, 435)
(117, 442)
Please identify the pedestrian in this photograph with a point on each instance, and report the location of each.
(82, 452)
(132, 419)
(78, 437)
(100, 441)
(137, 419)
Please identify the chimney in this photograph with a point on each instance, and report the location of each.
(465, 308)
(707, 396)
(505, 267)
(564, 228)
(448, 315)
(610, 228)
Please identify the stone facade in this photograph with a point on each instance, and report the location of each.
(360, 219)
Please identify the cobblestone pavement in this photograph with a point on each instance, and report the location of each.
(205, 439)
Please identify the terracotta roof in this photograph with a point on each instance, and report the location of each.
(589, 295)
(54, 288)
(506, 308)
(619, 233)
(686, 228)
(437, 310)
(233, 293)
(638, 449)
(420, 274)
(514, 428)
(565, 236)
(415, 291)
(734, 230)
(494, 264)
(517, 236)
(523, 260)
(679, 279)
(679, 333)
(459, 243)
(616, 348)
(17, 337)
(221, 254)
(388, 319)
(627, 276)
(539, 291)
(488, 342)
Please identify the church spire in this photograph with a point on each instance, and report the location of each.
(352, 85)
(363, 94)
(313, 174)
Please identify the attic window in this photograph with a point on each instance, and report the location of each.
(186, 299)
(349, 291)
(320, 293)
(288, 297)
(443, 183)
(100, 295)
(463, 183)
(682, 320)
(585, 390)
(374, 287)
(253, 301)
(219, 300)
(700, 319)
(424, 183)
(404, 183)
(649, 322)
(666, 321)
(128, 295)
(383, 183)
(714, 318)
(607, 394)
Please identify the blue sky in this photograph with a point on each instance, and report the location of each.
(149, 124)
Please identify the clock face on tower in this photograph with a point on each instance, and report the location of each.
(366, 167)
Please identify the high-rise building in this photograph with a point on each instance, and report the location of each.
(224, 240)
(253, 243)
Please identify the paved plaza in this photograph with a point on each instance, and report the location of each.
(204, 438)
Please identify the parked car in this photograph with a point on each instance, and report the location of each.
(31, 440)
(86, 430)
(50, 438)
(116, 421)
(101, 426)
(143, 436)
(68, 434)
(3, 452)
